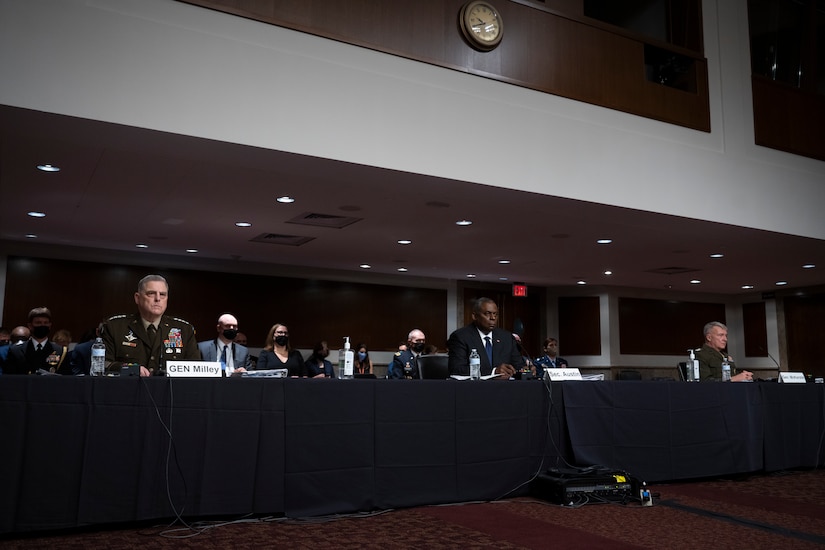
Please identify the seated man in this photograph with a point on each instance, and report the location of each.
(149, 338)
(234, 357)
(405, 362)
(550, 359)
(712, 354)
(38, 352)
(19, 335)
(495, 346)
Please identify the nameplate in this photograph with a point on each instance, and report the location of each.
(560, 375)
(792, 378)
(193, 369)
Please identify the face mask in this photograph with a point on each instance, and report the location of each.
(230, 333)
(40, 332)
(281, 340)
(323, 354)
(418, 348)
(362, 355)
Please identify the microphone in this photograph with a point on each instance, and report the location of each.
(775, 362)
(525, 373)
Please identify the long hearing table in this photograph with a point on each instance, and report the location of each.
(87, 451)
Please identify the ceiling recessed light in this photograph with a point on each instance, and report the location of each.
(717, 255)
(608, 272)
(243, 224)
(504, 261)
(402, 269)
(695, 281)
(37, 214)
(503, 278)
(464, 222)
(747, 287)
(285, 199)
(781, 283)
(48, 168)
(471, 275)
(581, 282)
(365, 266)
(404, 241)
(191, 250)
(141, 245)
(31, 236)
(604, 241)
(808, 266)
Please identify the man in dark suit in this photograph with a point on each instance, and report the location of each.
(38, 352)
(495, 346)
(234, 358)
(19, 335)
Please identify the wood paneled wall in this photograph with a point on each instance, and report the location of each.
(664, 327)
(80, 294)
(549, 47)
(755, 321)
(788, 119)
(805, 330)
(579, 326)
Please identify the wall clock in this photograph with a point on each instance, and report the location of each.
(481, 24)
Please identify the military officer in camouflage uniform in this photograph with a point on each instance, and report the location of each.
(149, 338)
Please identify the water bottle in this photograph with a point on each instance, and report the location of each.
(725, 370)
(98, 358)
(690, 372)
(345, 361)
(475, 365)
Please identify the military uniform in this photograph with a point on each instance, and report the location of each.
(128, 342)
(404, 365)
(25, 359)
(710, 364)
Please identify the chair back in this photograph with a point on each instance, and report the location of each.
(433, 367)
(682, 368)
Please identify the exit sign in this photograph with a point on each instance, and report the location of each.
(519, 290)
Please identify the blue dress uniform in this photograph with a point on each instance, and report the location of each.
(404, 365)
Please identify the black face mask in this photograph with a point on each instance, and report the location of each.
(418, 348)
(230, 333)
(281, 340)
(40, 332)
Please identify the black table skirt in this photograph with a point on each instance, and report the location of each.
(84, 451)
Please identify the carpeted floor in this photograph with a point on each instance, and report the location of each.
(758, 512)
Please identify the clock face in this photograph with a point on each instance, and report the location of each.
(482, 25)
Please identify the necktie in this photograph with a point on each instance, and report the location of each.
(488, 345)
(223, 361)
(39, 347)
(152, 330)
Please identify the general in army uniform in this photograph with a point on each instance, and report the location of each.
(148, 337)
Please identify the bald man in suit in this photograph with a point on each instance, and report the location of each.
(504, 357)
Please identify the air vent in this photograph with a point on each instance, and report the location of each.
(672, 270)
(323, 220)
(277, 238)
